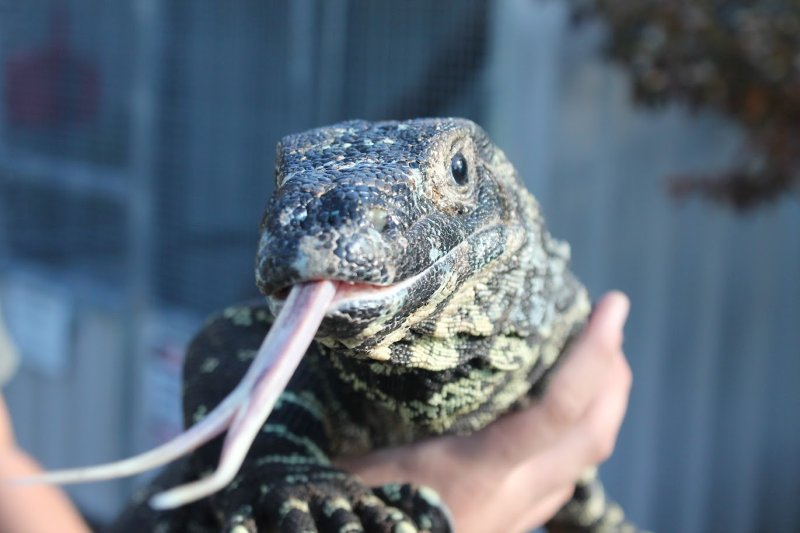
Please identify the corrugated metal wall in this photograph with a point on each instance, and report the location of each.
(712, 438)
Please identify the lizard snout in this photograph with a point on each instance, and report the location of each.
(341, 235)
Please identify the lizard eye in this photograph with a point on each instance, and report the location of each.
(458, 169)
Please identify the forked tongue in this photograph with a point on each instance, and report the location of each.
(243, 412)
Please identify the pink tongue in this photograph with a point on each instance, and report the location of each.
(243, 412)
(267, 377)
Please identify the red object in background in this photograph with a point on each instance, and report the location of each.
(51, 86)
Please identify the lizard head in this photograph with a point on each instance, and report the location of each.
(411, 218)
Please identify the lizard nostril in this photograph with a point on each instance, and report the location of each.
(379, 218)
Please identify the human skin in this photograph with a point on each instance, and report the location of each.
(34, 508)
(508, 478)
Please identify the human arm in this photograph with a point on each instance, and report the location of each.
(34, 508)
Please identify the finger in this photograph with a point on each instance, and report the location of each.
(435, 463)
(603, 420)
(515, 437)
(587, 444)
(540, 513)
(416, 462)
(577, 383)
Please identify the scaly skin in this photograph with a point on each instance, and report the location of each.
(460, 307)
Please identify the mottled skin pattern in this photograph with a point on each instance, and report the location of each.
(480, 306)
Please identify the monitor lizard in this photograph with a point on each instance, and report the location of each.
(448, 304)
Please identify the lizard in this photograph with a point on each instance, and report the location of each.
(447, 304)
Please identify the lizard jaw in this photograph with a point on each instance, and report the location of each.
(351, 293)
(359, 319)
(360, 310)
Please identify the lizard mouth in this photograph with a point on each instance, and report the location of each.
(347, 291)
(360, 314)
(349, 294)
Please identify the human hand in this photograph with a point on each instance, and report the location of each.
(515, 474)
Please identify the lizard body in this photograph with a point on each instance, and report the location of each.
(454, 304)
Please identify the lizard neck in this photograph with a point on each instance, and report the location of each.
(497, 336)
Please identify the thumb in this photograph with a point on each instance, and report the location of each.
(515, 437)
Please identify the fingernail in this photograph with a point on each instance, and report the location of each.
(620, 307)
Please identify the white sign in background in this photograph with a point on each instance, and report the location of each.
(39, 315)
(9, 360)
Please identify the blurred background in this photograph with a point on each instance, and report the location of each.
(137, 144)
